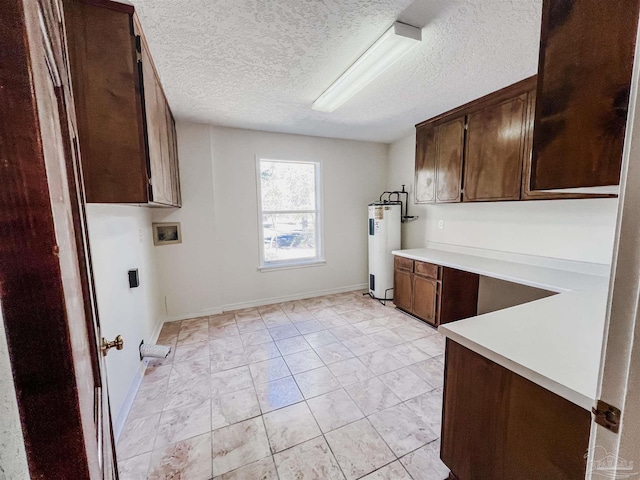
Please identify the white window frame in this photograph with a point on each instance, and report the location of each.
(291, 263)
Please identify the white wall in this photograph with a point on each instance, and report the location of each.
(581, 230)
(120, 238)
(13, 457)
(216, 266)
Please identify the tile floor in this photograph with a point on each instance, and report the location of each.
(336, 387)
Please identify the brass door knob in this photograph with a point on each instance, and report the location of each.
(106, 345)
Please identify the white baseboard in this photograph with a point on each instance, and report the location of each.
(265, 301)
(290, 298)
(121, 417)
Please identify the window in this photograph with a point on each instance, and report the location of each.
(289, 213)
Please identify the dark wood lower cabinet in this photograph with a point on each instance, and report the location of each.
(498, 425)
(434, 293)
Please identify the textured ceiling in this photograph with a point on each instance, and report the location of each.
(260, 64)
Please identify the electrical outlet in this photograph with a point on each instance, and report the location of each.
(441, 224)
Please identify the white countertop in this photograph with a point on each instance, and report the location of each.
(555, 342)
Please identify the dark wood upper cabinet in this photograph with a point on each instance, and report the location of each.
(425, 177)
(584, 77)
(126, 131)
(449, 151)
(494, 151)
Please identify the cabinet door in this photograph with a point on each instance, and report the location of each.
(402, 290)
(496, 136)
(425, 174)
(450, 147)
(157, 140)
(425, 298)
(586, 59)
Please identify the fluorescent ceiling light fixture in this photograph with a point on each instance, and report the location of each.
(392, 45)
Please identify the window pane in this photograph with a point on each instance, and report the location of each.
(287, 185)
(289, 237)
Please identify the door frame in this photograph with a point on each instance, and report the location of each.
(47, 355)
(619, 377)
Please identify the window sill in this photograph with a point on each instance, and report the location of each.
(291, 266)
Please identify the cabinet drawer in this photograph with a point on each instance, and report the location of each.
(425, 269)
(402, 263)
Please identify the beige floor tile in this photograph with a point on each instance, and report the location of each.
(223, 331)
(314, 303)
(148, 400)
(262, 352)
(134, 468)
(408, 354)
(350, 371)
(393, 471)
(279, 321)
(359, 449)
(316, 382)
(238, 445)
(324, 312)
(269, 370)
(309, 326)
(222, 320)
(272, 310)
(251, 326)
(428, 407)
(433, 345)
(187, 459)
(193, 335)
(431, 371)
(334, 409)
(240, 405)
(368, 327)
(194, 323)
(311, 460)
(221, 361)
(380, 362)
(356, 316)
(333, 352)
(256, 338)
(156, 375)
(303, 361)
(404, 383)
(346, 332)
(387, 338)
(301, 316)
(189, 393)
(333, 322)
(317, 339)
(292, 307)
(425, 463)
(402, 429)
(372, 396)
(190, 370)
(284, 331)
(290, 426)
(191, 351)
(291, 345)
(413, 332)
(247, 314)
(263, 469)
(232, 380)
(226, 344)
(277, 394)
(182, 423)
(361, 345)
(138, 436)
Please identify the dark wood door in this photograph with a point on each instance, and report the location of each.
(402, 289)
(108, 104)
(425, 168)
(47, 297)
(497, 425)
(584, 78)
(450, 148)
(425, 298)
(495, 143)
